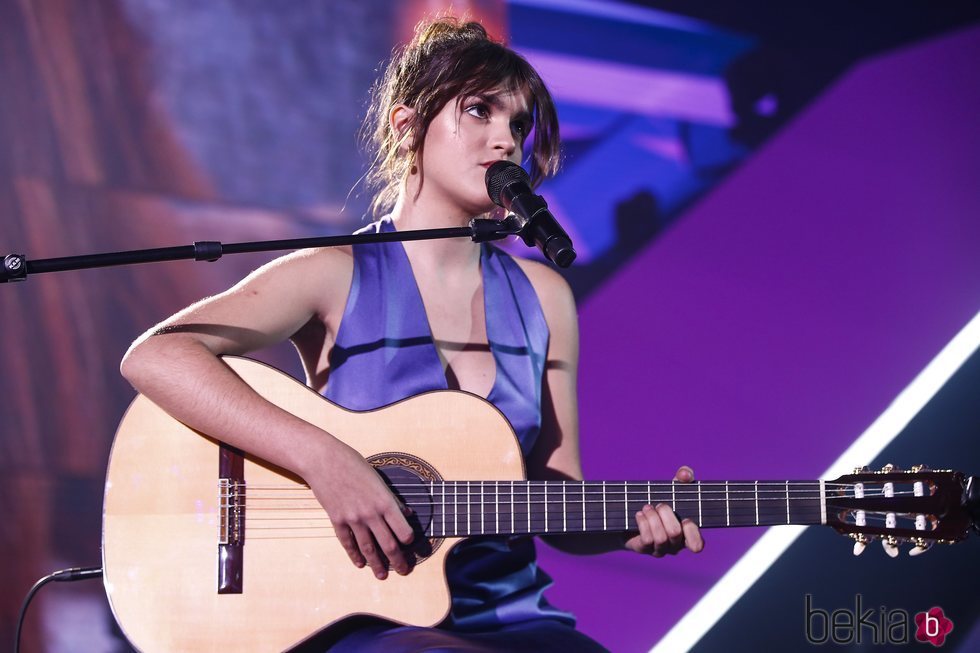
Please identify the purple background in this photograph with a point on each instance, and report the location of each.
(767, 329)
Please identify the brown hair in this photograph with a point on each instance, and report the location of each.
(446, 60)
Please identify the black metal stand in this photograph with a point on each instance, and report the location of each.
(16, 267)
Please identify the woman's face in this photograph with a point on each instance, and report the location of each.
(464, 139)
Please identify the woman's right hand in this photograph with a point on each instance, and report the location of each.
(367, 518)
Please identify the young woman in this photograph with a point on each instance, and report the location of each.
(374, 324)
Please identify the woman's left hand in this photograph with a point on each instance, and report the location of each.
(660, 531)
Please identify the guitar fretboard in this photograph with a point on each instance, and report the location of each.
(467, 508)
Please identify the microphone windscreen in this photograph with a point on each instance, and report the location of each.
(500, 175)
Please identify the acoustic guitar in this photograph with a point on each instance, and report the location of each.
(201, 544)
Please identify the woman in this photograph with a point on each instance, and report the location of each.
(376, 323)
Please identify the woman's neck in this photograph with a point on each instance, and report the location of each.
(446, 255)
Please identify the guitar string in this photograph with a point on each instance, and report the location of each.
(290, 531)
(705, 512)
(536, 524)
(633, 485)
(261, 502)
(610, 494)
(589, 515)
(449, 489)
(257, 504)
(713, 495)
(310, 503)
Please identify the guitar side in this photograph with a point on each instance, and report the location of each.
(162, 517)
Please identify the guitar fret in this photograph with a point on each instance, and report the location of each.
(626, 496)
(528, 493)
(787, 502)
(603, 505)
(564, 509)
(512, 506)
(700, 520)
(455, 507)
(650, 495)
(546, 507)
(496, 507)
(584, 527)
(757, 503)
(482, 505)
(728, 516)
(823, 502)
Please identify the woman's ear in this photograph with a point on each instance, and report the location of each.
(400, 120)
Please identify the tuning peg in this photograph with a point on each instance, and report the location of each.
(921, 546)
(890, 544)
(920, 468)
(890, 468)
(860, 542)
(862, 470)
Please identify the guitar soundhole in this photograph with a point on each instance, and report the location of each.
(409, 478)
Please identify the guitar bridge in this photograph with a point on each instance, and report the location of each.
(231, 513)
(231, 520)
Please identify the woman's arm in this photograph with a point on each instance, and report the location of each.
(556, 454)
(177, 365)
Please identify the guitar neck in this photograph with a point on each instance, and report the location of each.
(468, 508)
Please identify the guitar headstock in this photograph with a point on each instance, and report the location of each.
(919, 506)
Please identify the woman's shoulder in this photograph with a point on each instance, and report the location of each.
(319, 276)
(321, 262)
(554, 293)
(543, 277)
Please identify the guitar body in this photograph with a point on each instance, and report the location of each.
(163, 519)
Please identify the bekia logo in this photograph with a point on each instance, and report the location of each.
(881, 626)
(932, 626)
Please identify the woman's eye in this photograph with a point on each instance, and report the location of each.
(478, 111)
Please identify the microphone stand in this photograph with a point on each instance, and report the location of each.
(16, 267)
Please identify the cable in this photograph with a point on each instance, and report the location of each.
(62, 576)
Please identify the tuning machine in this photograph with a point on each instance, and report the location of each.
(861, 542)
(921, 546)
(890, 544)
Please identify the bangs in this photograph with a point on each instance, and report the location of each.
(494, 68)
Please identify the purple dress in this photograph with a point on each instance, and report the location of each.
(384, 353)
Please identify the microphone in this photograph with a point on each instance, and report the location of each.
(509, 186)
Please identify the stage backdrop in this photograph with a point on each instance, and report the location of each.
(750, 300)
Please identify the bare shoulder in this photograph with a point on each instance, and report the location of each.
(270, 304)
(553, 291)
(321, 267)
(323, 275)
(319, 259)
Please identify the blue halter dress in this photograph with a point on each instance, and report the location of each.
(385, 352)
